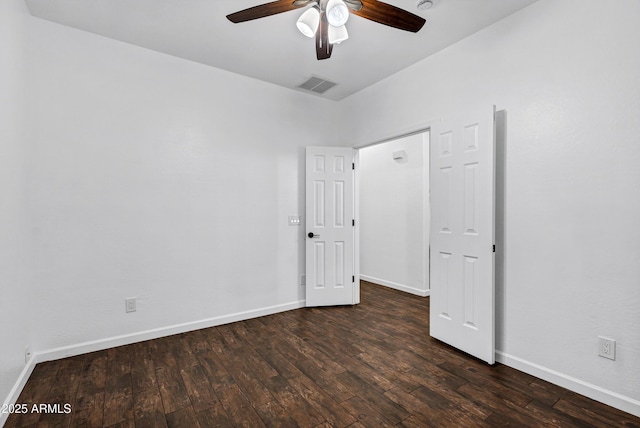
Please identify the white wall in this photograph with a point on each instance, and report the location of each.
(161, 179)
(15, 312)
(393, 214)
(566, 72)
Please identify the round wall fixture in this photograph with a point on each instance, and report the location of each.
(424, 4)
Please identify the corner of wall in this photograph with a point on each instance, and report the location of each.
(15, 333)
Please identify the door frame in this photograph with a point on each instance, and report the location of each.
(419, 128)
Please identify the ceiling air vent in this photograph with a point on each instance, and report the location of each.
(317, 85)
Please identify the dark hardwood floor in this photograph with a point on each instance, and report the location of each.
(371, 365)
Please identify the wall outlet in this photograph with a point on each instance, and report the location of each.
(130, 305)
(607, 347)
(27, 354)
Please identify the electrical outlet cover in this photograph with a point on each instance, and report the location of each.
(607, 347)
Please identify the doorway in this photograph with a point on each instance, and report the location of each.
(393, 199)
(461, 241)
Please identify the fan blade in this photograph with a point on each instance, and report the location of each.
(266, 9)
(390, 15)
(323, 47)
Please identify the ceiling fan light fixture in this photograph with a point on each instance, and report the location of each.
(337, 35)
(308, 22)
(337, 13)
(326, 19)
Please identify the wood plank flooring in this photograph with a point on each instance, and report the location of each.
(371, 365)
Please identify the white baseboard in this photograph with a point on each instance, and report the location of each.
(610, 398)
(12, 398)
(111, 342)
(395, 285)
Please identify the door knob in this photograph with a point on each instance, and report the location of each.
(312, 235)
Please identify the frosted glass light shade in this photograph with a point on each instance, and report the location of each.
(337, 13)
(337, 35)
(308, 22)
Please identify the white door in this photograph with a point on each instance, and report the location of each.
(462, 233)
(330, 226)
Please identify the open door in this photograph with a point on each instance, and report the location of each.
(330, 237)
(462, 309)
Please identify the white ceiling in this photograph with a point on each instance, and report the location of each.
(271, 48)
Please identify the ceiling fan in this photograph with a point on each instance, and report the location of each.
(326, 19)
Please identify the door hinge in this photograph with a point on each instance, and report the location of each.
(353, 278)
(353, 222)
(494, 248)
(353, 165)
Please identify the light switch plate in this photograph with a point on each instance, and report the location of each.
(294, 220)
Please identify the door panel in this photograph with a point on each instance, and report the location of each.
(462, 258)
(329, 219)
